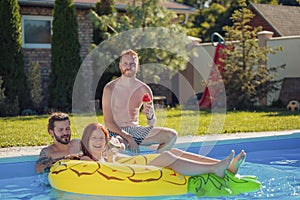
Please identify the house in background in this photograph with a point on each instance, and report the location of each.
(37, 29)
(283, 21)
(281, 27)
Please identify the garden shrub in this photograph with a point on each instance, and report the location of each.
(12, 66)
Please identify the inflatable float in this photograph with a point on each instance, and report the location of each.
(134, 178)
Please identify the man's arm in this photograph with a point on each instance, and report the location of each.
(110, 122)
(44, 162)
(148, 109)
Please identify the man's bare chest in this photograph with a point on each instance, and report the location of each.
(126, 100)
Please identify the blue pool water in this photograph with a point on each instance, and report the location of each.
(274, 160)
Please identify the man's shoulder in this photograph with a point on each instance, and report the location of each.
(47, 150)
(111, 84)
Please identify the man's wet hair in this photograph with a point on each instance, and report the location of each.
(57, 116)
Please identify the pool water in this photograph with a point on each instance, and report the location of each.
(275, 161)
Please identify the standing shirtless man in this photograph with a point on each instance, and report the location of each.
(59, 129)
(121, 103)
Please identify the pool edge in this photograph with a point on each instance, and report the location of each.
(13, 152)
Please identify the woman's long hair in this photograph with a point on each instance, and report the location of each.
(86, 137)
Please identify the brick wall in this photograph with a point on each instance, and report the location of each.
(43, 56)
(85, 32)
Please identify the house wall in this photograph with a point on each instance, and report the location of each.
(200, 75)
(192, 80)
(290, 87)
(43, 55)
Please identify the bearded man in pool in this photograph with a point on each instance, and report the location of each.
(62, 147)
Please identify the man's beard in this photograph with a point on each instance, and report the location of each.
(64, 139)
(123, 71)
(127, 72)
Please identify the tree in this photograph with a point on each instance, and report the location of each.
(207, 21)
(246, 76)
(217, 15)
(7, 108)
(143, 14)
(12, 66)
(65, 59)
(101, 33)
(3, 108)
(2, 95)
(103, 7)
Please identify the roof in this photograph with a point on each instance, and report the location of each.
(283, 19)
(119, 4)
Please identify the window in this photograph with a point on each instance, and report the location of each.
(36, 31)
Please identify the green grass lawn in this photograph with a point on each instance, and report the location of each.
(32, 130)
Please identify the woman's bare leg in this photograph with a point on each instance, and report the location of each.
(193, 156)
(191, 167)
(233, 167)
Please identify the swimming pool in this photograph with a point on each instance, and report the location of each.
(274, 160)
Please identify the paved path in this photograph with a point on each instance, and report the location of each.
(29, 151)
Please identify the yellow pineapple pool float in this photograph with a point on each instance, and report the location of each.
(133, 177)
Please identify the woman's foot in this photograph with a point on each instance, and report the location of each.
(223, 165)
(237, 162)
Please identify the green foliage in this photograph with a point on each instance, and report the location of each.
(13, 107)
(7, 108)
(103, 7)
(28, 112)
(150, 14)
(11, 58)
(2, 98)
(217, 15)
(207, 20)
(102, 32)
(147, 14)
(2, 95)
(35, 83)
(65, 59)
(246, 77)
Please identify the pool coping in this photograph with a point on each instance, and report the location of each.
(221, 138)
